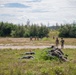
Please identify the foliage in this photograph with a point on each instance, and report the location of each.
(12, 30)
(5, 29)
(43, 55)
(68, 30)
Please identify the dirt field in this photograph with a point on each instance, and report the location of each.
(33, 47)
(25, 43)
(22, 42)
(40, 42)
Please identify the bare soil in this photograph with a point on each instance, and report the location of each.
(33, 47)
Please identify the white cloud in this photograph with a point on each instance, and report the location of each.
(52, 11)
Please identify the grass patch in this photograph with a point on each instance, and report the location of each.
(10, 64)
(44, 41)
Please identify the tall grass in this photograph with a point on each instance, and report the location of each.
(11, 64)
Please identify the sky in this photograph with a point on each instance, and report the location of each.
(38, 11)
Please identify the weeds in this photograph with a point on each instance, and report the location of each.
(10, 64)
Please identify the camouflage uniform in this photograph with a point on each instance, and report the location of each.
(57, 42)
(58, 53)
(62, 43)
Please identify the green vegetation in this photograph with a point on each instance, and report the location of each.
(11, 64)
(53, 33)
(68, 30)
(12, 30)
(34, 30)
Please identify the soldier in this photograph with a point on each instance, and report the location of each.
(57, 42)
(31, 38)
(58, 53)
(62, 43)
(53, 37)
(35, 38)
(57, 50)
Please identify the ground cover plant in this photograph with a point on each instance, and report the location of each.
(12, 64)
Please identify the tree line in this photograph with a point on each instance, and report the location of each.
(68, 30)
(13, 30)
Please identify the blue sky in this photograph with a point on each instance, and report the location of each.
(38, 11)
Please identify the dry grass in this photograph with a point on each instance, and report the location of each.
(44, 41)
(22, 41)
(70, 41)
(26, 41)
